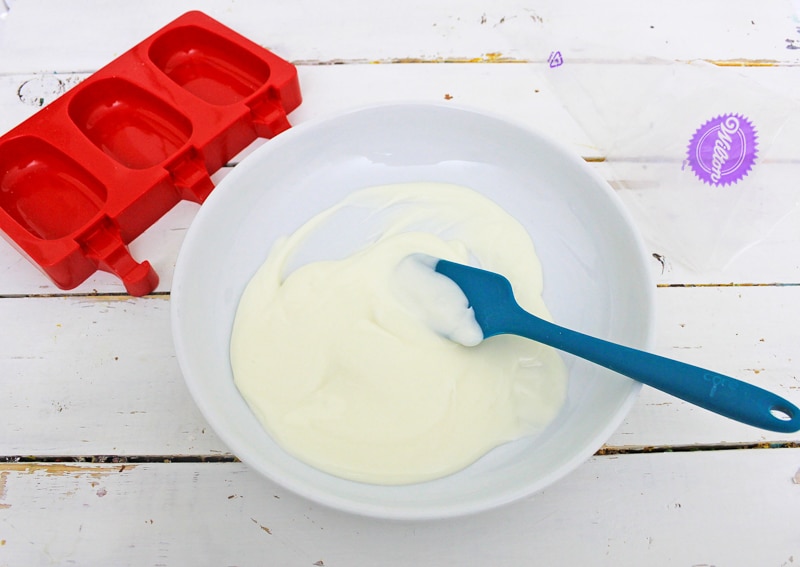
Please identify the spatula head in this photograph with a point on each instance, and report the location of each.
(489, 294)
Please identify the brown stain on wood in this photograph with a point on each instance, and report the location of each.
(497, 57)
(728, 284)
(265, 529)
(58, 469)
(744, 62)
(93, 471)
(491, 57)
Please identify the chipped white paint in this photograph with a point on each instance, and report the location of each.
(96, 375)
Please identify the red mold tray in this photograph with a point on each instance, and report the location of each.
(87, 174)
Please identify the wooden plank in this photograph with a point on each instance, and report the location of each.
(527, 93)
(56, 36)
(97, 375)
(769, 260)
(739, 507)
(505, 89)
(94, 375)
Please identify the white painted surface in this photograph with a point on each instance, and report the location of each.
(96, 375)
(735, 508)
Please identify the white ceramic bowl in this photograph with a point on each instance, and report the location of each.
(593, 261)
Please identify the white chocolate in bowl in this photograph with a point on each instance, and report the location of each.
(346, 375)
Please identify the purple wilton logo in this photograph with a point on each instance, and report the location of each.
(723, 150)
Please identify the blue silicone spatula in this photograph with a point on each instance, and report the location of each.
(497, 312)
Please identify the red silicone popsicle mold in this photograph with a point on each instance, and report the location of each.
(90, 172)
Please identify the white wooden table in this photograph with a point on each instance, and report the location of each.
(104, 458)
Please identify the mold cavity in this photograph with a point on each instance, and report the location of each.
(209, 66)
(44, 190)
(128, 123)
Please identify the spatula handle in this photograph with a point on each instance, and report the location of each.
(713, 391)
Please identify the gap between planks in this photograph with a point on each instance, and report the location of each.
(139, 459)
(120, 296)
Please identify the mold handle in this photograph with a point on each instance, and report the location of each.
(104, 246)
(269, 116)
(190, 176)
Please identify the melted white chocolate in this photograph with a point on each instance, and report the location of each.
(346, 372)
